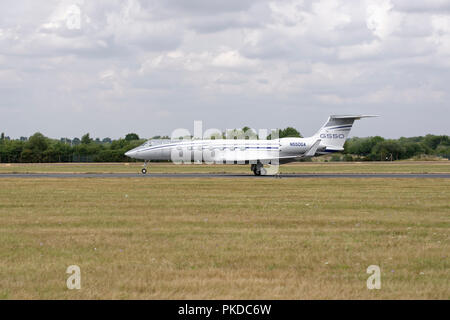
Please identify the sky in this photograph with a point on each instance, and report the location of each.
(110, 67)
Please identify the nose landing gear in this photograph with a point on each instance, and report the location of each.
(144, 169)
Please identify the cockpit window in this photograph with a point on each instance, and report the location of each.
(154, 142)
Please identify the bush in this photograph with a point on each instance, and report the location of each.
(335, 158)
(348, 157)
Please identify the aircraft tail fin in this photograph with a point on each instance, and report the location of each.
(335, 131)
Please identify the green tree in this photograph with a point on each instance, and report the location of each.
(34, 148)
(86, 139)
(249, 133)
(131, 137)
(290, 132)
(27, 155)
(412, 149)
(76, 141)
(361, 146)
(433, 141)
(10, 151)
(38, 142)
(389, 150)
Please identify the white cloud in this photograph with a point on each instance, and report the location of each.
(232, 59)
(67, 15)
(441, 33)
(381, 19)
(133, 63)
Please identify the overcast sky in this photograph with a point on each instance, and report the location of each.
(112, 67)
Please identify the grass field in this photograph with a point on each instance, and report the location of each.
(302, 167)
(224, 238)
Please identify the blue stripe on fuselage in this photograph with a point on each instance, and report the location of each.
(207, 147)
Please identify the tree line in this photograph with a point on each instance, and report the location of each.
(39, 148)
(380, 149)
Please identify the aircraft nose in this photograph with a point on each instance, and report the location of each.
(130, 153)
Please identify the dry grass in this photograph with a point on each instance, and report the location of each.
(304, 167)
(226, 238)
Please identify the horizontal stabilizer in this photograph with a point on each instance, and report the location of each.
(355, 117)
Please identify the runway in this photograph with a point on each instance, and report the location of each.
(224, 175)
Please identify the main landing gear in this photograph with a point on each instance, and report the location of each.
(258, 169)
(144, 169)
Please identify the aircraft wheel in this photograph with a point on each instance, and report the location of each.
(144, 171)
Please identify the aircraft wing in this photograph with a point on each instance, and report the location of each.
(261, 155)
(312, 151)
(247, 156)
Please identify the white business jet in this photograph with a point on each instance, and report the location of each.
(330, 138)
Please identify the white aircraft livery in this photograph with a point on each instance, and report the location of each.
(330, 138)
